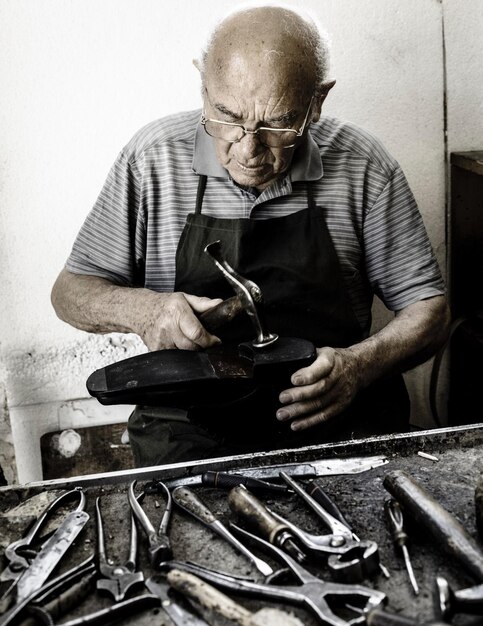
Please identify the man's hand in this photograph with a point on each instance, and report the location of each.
(327, 387)
(170, 321)
(322, 390)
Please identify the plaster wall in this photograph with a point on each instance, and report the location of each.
(79, 77)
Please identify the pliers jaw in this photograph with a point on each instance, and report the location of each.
(159, 543)
(159, 550)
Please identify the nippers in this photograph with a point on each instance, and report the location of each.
(117, 578)
(159, 543)
(350, 558)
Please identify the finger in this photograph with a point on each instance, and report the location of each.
(321, 367)
(317, 418)
(193, 335)
(305, 408)
(201, 304)
(307, 392)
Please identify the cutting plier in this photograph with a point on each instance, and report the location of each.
(350, 558)
(159, 543)
(117, 579)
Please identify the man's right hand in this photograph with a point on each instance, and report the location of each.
(170, 321)
(162, 320)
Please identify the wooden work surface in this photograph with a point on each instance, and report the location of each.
(451, 480)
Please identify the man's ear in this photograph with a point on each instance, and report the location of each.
(319, 99)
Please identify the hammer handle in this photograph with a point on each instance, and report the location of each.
(221, 313)
(424, 509)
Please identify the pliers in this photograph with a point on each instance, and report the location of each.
(117, 578)
(350, 558)
(319, 597)
(159, 543)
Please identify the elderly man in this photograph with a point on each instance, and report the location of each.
(313, 209)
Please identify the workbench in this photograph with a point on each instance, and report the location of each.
(451, 480)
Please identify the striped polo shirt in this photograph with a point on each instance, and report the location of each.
(131, 234)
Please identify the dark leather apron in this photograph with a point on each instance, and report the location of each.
(294, 262)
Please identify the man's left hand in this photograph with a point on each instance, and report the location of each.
(322, 390)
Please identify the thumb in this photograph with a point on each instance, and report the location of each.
(200, 304)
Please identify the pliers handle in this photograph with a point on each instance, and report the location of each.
(159, 543)
(350, 559)
(117, 578)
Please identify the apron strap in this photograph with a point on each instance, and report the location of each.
(200, 193)
(310, 196)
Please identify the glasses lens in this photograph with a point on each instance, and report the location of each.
(277, 139)
(223, 131)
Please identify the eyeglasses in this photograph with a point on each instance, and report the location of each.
(269, 137)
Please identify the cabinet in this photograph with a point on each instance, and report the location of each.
(466, 288)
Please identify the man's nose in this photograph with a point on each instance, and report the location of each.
(249, 146)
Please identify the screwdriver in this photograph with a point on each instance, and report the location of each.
(395, 519)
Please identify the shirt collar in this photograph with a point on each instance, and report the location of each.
(306, 163)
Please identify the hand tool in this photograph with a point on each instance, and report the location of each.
(450, 534)
(349, 560)
(178, 614)
(314, 594)
(220, 604)
(62, 594)
(28, 570)
(221, 314)
(479, 505)
(315, 490)
(117, 579)
(449, 601)
(378, 617)
(222, 480)
(249, 293)
(187, 500)
(243, 502)
(159, 543)
(118, 611)
(52, 587)
(396, 527)
(306, 469)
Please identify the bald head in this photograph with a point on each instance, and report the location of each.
(273, 41)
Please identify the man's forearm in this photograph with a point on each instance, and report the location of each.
(162, 320)
(95, 304)
(410, 338)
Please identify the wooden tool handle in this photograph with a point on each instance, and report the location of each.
(244, 503)
(209, 597)
(216, 601)
(189, 501)
(424, 509)
(221, 313)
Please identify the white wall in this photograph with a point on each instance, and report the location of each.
(79, 77)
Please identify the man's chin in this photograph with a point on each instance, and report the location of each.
(260, 179)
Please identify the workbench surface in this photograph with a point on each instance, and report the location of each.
(451, 480)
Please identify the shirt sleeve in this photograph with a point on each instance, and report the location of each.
(400, 263)
(111, 242)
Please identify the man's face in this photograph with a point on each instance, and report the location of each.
(245, 94)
